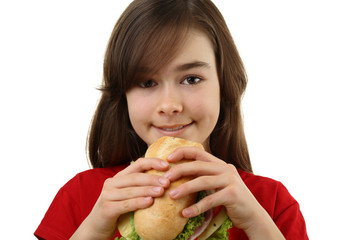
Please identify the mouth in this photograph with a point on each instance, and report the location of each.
(174, 128)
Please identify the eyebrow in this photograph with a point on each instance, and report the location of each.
(196, 64)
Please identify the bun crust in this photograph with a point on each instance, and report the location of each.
(163, 219)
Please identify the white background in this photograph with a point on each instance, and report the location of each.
(301, 107)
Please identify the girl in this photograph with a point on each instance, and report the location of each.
(171, 68)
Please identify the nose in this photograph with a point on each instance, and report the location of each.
(170, 102)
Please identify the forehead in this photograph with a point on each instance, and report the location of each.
(196, 51)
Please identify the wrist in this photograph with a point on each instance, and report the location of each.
(263, 227)
(88, 231)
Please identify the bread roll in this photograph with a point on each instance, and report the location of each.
(163, 220)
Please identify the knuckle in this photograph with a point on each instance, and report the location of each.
(232, 192)
(205, 204)
(209, 200)
(107, 182)
(127, 192)
(126, 205)
(207, 180)
(232, 172)
(197, 209)
(138, 163)
(231, 167)
(133, 204)
(106, 190)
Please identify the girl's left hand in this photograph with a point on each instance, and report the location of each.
(211, 173)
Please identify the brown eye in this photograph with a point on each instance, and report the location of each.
(148, 84)
(191, 80)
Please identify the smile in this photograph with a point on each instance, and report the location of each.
(174, 128)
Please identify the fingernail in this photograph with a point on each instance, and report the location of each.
(157, 189)
(163, 181)
(164, 163)
(187, 212)
(147, 199)
(167, 175)
(173, 193)
(171, 156)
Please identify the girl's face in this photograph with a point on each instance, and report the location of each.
(182, 99)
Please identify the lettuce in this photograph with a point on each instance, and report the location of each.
(222, 232)
(193, 222)
(190, 227)
(133, 235)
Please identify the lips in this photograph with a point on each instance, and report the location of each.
(173, 128)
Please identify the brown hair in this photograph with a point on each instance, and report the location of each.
(146, 37)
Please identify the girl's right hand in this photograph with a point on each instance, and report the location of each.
(127, 191)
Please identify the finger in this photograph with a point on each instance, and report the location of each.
(195, 168)
(137, 203)
(197, 185)
(144, 164)
(133, 192)
(113, 209)
(136, 179)
(189, 153)
(203, 205)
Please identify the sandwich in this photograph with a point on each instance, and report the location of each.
(163, 219)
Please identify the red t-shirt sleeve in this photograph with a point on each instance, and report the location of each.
(73, 203)
(280, 205)
(59, 222)
(287, 215)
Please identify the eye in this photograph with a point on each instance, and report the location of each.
(191, 80)
(148, 84)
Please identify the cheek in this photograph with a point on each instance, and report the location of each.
(208, 106)
(137, 108)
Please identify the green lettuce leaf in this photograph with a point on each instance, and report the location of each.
(190, 227)
(222, 232)
(193, 222)
(133, 235)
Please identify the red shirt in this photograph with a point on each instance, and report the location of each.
(76, 198)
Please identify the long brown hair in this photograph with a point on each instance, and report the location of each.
(146, 37)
